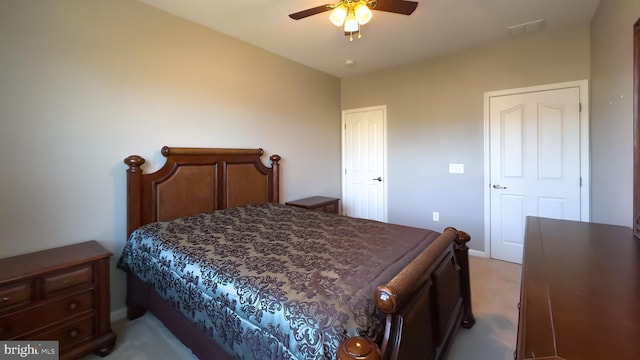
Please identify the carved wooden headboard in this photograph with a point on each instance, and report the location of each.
(197, 180)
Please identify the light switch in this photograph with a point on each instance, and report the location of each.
(456, 168)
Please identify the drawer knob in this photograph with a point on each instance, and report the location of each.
(73, 306)
(73, 333)
(69, 281)
(5, 299)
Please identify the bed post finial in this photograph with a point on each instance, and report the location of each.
(165, 151)
(462, 258)
(358, 348)
(134, 162)
(275, 167)
(275, 158)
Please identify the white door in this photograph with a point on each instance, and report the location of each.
(364, 177)
(535, 164)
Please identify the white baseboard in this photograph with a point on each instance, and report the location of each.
(118, 314)
(478, 253)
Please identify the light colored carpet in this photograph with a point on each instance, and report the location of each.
(495, 292)
(145, 339)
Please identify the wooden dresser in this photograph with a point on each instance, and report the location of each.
(580, 295)
(318, 203)
(58, 294)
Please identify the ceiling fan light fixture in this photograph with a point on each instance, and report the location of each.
(352, 14)
(351, 24)
(338, 15)
(363, 13)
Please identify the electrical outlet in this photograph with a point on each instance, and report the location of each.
(436, 216)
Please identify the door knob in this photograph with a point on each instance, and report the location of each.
(496, 186)
(378, 178)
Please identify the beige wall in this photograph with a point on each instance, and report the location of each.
(435, 117)
(83, 84)
(612, 111)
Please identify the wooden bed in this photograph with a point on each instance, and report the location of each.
(425, 303)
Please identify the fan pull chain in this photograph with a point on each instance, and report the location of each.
(351, 35)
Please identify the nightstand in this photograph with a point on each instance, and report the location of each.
(318, 203)
(58, 294)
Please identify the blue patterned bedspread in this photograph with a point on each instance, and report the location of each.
(271, 281)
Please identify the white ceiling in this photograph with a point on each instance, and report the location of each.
(437, 27)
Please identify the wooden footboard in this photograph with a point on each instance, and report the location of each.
(425, 303)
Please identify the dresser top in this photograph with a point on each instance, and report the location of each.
(580, 296)
(35, 263)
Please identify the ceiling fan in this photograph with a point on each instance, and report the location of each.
(353, 13)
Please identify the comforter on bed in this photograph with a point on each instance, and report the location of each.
(271, 281)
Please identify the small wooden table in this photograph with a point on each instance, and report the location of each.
(318, 203)
(580, 292)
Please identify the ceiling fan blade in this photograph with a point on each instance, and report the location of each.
(396, 6)
(304, 13)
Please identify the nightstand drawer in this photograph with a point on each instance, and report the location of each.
(15, 294)
(70, 334)
(38, 317)
(68, 279)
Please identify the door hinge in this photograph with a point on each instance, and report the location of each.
(579, 106)
(581, 181)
